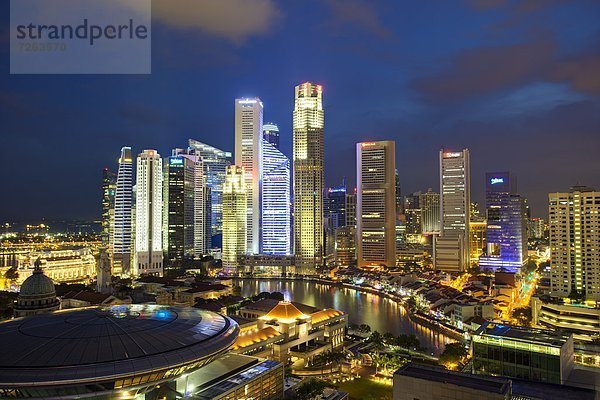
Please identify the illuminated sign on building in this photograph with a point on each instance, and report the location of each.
(452, 155)
(176, 161)
(495, 181)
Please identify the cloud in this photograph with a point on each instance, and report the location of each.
(235, 20)
(485, 69)
(357, 13)
(581, 71)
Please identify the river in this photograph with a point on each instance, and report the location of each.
(380, 313)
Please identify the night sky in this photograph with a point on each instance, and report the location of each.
(518, 83)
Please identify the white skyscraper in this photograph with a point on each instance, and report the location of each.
(309, 176)
(376, 203)
(148, 217)
(121, 241)
(452, 247)
(248, 154)
(276, 215)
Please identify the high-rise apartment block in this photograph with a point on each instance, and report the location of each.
(376, 203)
(575, 243)
(148, 214)
(309, 176)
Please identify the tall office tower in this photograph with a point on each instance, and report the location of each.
(271, 134)
(276, 197)
(334, 216)
(235, 204)
(451, 249)
(376, 204)
(109, 187)
(186, 218)
(430, 212)
(506, 232)
(412, 212)
(215, 162)
(309, 176)
(351, 208)
(575, 243)
(148, 214)
(399, 199)
(335, 205)
(345, 246)
(248, 154)
(122, 229)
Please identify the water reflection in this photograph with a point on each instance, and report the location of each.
(381, 314)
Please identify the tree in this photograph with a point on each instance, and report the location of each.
(453, 354)
(311, 389)
(389, 339)
(365, 328)
(523, 315)
(11, 274)
(377, 343)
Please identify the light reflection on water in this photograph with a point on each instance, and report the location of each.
(380, 313)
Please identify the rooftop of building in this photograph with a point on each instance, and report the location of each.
(545, 337)
(285, 311)
(105, 343)
(519, 389)
(94, 298)
(228, 372)
(247, 339)
(267, 305)
(436, 374)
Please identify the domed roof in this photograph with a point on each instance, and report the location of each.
(285, 312)
(38, 284)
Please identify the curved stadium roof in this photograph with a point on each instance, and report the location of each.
(101, 344)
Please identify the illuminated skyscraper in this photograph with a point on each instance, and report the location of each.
(334, 216)
(376, 203)
(248, 154)
(452, 247)
(148, 214)
(122, 243)
(109, 187)
(345, 246)
(271, 134)
(309, 176)
(235, 204)
(430, 212)
(186, 233)
(276, 197)
(215, 162)
(575, 243)
(506, 232)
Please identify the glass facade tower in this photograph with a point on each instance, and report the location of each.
(122, 230)
(506, 231)
(276, 197)
(215, 162)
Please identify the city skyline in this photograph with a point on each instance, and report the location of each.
(413, 77)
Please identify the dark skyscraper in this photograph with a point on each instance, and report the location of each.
(271, 134)
(506, 232)
(109, 187)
